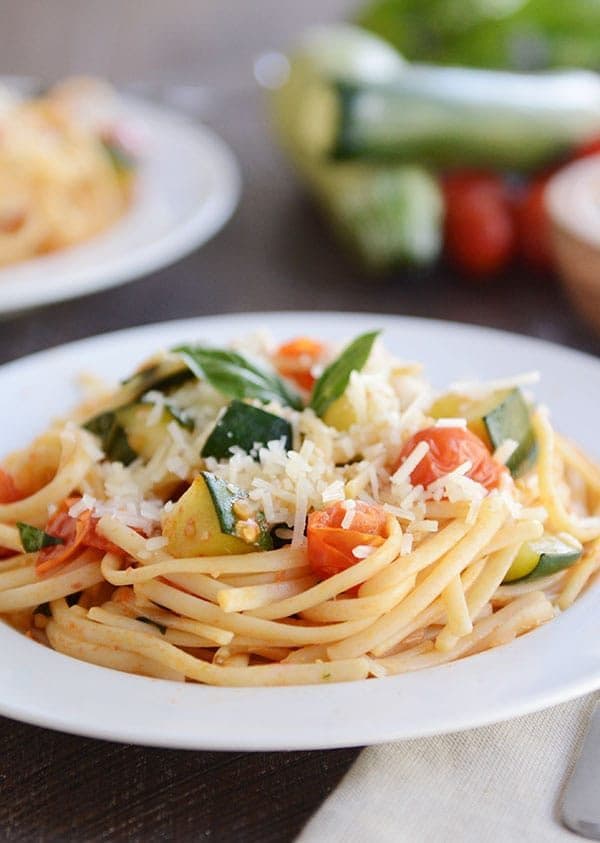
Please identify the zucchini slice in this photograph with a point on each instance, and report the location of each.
(541, 558)
(143, 438)
(496, 418)
(245, 426)
(510, 419)
(124, 432)
(163, 376)
(212, 518)
(113, 439)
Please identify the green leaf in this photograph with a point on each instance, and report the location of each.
(34, 539)
(334, 380)
(112, 437)
(234, 376)
(244, 426)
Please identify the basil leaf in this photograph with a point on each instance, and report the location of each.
(334, 380)
(234, 376)
(34, 539)
(112, 437)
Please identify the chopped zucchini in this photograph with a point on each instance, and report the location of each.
(541, 558)
(113, 438)
(340, 414)
(500, 416)
(125, 434)
(245, 426)
(143, 438)
(165, 375)
(510, 419)
(213, 518)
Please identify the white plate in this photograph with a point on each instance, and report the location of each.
(188, 185)
(555, 663)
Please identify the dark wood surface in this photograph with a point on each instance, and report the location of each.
(273, 255)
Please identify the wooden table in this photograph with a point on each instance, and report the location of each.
(273, 255)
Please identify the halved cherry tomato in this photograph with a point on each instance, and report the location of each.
(450, 447)
(8, 491)
(330, 546)
(479, 231)
(76, 533)
(297, 358)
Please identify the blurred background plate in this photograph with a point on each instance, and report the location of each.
(188, 185)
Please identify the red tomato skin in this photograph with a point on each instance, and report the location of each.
(76, 533)
(533, 227)
(297, 358)
(479, 231)
(330, 545)
(449, 447)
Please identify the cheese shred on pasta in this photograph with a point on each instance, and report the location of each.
(161, 530)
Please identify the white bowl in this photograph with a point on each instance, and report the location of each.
(573, 203)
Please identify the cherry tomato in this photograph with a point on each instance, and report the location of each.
(297, 358)
(533, 226)
(8, 491)
(76, 533)
(479, 228)
(450, 447)
(330, 546)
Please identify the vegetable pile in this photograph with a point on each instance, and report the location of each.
(410, 160)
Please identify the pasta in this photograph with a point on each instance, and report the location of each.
(64, 176)
(278, 515)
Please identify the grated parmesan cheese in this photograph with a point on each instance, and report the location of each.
(411, 462)
(505, 450)
(361, 551)
(350, 507)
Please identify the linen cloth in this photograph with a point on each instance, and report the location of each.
(496, 784)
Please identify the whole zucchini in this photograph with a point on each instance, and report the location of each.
(386, 214)
(458, 116)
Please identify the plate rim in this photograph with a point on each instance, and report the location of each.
(334, 696)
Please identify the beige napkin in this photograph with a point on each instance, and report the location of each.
(497, 784)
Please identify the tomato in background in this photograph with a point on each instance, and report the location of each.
(479, 228)
(533, 226)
